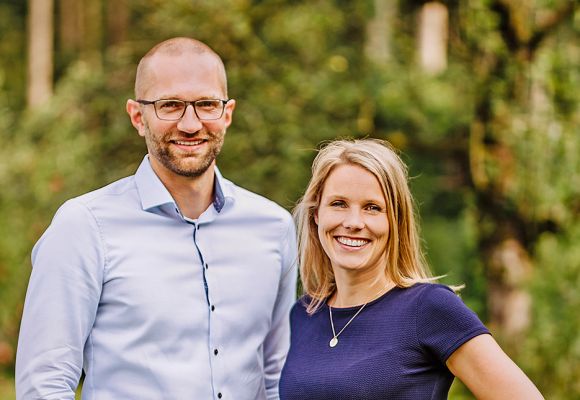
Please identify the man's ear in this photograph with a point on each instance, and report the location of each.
(229, 111)
(136, 115)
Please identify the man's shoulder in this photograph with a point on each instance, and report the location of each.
(118, 188)
(107, 199)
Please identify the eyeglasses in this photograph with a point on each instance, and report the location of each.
(174, 110)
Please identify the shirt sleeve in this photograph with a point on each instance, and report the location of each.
(277, 342)
(60, 307)
(444, 322)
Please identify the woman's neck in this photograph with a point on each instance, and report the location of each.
(351, 294)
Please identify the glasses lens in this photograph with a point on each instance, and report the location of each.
(169, 109)
(209, 109)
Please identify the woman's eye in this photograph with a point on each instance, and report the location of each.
(374, 208)
(338, 204)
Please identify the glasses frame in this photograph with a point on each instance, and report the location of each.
(187, 104)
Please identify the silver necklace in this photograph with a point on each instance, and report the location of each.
(334, 340)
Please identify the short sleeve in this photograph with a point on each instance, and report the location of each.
(444, 322)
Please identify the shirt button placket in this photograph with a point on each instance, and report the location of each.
(211, 306)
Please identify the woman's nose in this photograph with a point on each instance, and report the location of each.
(353, 220)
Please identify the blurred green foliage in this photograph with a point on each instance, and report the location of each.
(300, 75)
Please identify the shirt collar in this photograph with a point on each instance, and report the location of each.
(154, 194)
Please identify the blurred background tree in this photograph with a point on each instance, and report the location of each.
(480, 96)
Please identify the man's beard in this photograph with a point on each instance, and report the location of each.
(159, 148)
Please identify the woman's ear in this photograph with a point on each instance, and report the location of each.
(316, 216)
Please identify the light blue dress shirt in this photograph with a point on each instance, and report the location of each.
(155, 306)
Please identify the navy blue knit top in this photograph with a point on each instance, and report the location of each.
(395, 349)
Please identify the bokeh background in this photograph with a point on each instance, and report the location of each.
(480, 96)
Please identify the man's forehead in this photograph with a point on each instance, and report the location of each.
(162, 58)
(180, 60)
(168, 76)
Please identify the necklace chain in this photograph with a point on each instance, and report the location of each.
(334, 340)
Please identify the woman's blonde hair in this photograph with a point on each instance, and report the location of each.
(406, 264)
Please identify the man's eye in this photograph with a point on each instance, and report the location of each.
(170, 104)
(207, 104)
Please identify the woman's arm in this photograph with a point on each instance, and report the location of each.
(489, 373)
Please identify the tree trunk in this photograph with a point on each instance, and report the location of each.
(92, 41)
(509, 270)
(379, 32)
(40, 52)
(433, 37)
(508, 267)
(71, 28)
(507, 230)
(117, 21)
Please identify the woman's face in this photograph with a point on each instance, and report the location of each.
(352, 222)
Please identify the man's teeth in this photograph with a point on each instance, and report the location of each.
(188, 143)
(352, 242)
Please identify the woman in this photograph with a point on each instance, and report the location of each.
(373, 324)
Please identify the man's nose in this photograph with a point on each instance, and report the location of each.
(189, 122)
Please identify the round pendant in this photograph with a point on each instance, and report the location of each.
(333, 341)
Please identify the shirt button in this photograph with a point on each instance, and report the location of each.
(206, 266)
(219, 395)
(215, 351)
(212, 307)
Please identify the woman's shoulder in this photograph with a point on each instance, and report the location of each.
(301, 304)
(430, 287)
(427, 291)
(299, 311)
(434, 295)
(436, 303)
(425, 299)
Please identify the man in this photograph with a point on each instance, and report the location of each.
(170, 284)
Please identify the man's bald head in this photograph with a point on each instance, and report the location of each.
(175, 47)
